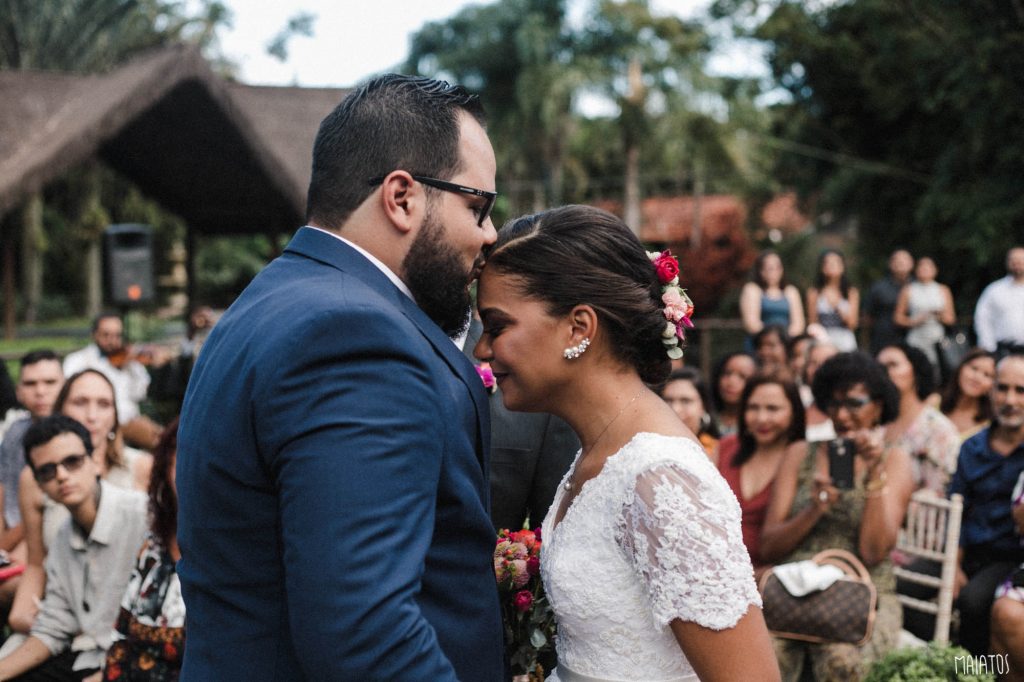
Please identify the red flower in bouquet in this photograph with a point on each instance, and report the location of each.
(528, 619)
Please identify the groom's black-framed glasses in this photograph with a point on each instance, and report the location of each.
(488, 197)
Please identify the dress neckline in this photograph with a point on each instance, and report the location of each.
(555, 524)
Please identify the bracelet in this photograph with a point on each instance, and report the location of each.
(878, 492)
(876, 484)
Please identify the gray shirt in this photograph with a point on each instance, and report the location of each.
(12, 461)
(86, 576)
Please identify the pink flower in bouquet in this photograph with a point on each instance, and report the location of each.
(520, 572)
(523, 600)
(533, 565)
(516, 550)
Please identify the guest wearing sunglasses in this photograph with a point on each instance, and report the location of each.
(88, 566)
(812, 510)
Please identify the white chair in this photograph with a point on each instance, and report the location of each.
(931, 530)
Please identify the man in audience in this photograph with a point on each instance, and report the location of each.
(108, 354)
(987, 471)
(881, 301)
(89, 563)
(39, 381)
(999, 315)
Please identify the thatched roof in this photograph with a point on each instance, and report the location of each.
(225, 157)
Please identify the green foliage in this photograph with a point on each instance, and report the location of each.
(225, 266)
(899, 116)
(930, 664)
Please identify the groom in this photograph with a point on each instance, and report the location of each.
(332, 458)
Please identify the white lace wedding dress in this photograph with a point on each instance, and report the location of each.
(653, 537)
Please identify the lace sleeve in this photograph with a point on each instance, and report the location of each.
(681, 529)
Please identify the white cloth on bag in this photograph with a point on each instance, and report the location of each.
(655, 536)
(803, 577)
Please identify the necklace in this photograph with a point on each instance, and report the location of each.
(569, 484)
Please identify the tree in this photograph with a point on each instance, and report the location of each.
(902, 117)
(87, 36)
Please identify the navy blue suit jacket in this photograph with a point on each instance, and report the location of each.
(333, 485)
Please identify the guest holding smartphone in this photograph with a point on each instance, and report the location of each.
(809, 513)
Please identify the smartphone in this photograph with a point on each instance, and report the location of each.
(840, 462)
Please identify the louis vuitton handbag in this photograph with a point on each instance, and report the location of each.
(844, 612)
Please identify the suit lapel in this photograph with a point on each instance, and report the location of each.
(317, 245)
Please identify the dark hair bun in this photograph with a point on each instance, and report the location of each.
(583, 255)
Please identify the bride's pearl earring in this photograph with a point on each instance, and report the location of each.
(573, 352)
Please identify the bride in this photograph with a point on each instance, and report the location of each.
(643, 559)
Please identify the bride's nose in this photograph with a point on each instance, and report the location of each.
(482, 350)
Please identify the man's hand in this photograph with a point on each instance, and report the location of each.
(959, 582)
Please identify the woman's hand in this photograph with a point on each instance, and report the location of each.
(869, 445)
(823, 493)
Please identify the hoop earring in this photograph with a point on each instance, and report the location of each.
(573, 352)
(111, 435)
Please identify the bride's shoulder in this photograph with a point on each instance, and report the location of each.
(650, 451)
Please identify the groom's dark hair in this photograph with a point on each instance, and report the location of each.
(392, 122)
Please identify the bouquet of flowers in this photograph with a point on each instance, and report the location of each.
(528, 619)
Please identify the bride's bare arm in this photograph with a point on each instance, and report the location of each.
(743, 652)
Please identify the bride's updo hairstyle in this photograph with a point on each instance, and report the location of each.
(576, 255)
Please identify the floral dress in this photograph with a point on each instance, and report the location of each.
(934, 446)
(840, 529)
(149, 638)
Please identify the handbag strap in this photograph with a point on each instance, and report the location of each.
(845, 560)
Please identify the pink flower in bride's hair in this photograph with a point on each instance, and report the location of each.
(523, 600)
(533, 565)
(667, 267)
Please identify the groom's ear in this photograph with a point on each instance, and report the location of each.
(403, 201)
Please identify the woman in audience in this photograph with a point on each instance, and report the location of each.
(727, 381)
(149, 635)
(808, 513)
(931, 440)
(770, 350)
(965, 400)
(87, 397)
(925, 308)
(771, 424)
(767, 299)
(688, 394)
(819, 426)
(832, 302)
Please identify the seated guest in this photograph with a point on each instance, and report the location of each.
(688, 394)
(796, 358)
(771, 425)
(1008, 609)
(90, 562)
(819, 426)
(920, 430)
(87, 397)
(108, 354)
(989, 467)
(770, 350)
(966, 398)
(40, 379)
(150, 633)
(808, 513)
(728, 378)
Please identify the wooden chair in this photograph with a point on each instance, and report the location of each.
(931, 530)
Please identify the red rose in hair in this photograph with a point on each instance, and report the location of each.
(667, 267)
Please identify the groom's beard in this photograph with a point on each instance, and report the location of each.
(435, 275)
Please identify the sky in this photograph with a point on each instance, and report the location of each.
(353, 40)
